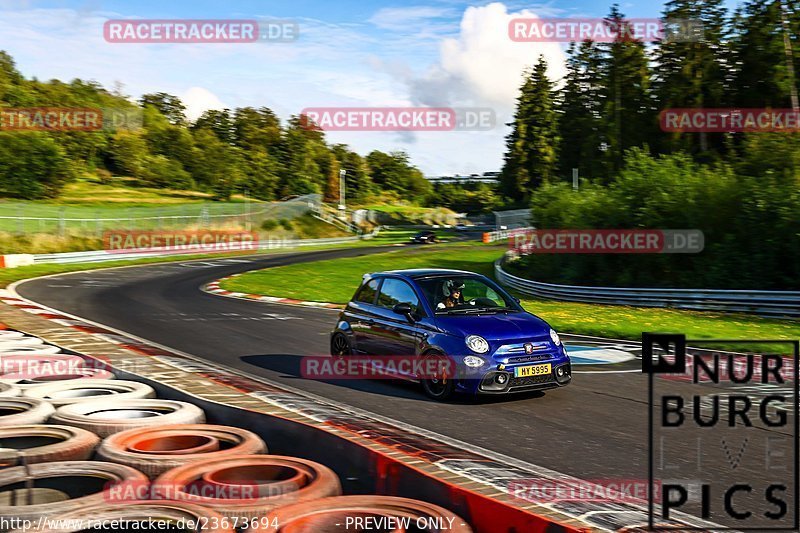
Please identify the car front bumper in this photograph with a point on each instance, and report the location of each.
(503, 381)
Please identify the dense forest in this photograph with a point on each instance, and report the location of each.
(741, 189)
(223, 152)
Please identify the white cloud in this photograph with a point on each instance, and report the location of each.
(400, 57)
(483, 66)
(405, 18)
(197, 100)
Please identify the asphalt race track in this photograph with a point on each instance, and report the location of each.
(594, 429)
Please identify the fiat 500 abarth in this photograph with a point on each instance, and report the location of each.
(490, 343)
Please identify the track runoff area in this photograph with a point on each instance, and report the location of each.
(710, 435)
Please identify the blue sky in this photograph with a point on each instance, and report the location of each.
(349, 53)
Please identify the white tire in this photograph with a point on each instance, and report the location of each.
(8, 390)
(72, 485)
(81, 374)
(41, 443)
(106, 418)
(77, 391)
(22, 411)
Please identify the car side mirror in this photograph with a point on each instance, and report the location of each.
(516, 299)
(405, 310)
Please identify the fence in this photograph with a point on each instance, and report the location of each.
(99, 256)
(27, 218)
(781, 304)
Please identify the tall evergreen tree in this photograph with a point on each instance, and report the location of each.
(629, 113)
(580, 106)
(690, 71)
(531, 153)
(765, 53)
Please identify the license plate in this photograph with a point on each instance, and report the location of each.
(533, 370)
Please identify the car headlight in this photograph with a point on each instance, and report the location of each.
(473, 362)
(477, 344)
(554, 337)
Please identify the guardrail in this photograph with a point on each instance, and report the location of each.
(499, 235)
(778, 304)
(98, 256)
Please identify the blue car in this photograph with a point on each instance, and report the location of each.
(492, 345)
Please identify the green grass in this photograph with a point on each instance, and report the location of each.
(94, 207)
(10, 275)
(336, 280)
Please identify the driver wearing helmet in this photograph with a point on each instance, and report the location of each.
(452, 294)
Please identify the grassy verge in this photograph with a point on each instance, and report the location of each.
(10, 275)
(336, 280)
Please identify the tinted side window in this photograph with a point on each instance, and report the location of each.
(366, 293)
(395, 291)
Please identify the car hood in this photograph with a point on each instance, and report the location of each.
(493, 327)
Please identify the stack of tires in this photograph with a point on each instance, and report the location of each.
(80, 449)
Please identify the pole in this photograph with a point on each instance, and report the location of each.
(574, 179)
(342, 174)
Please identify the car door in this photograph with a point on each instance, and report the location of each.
(393, 334)
(361, 313)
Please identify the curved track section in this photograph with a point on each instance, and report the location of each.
(595, 429)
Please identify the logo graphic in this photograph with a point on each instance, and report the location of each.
(724, 438)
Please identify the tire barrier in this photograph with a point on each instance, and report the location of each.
(105, 418)
(7, 345)
(158, 449)
(60, 487)
(352, 512)
(23, 411)
(46, 443)
(7, 390)
(18, 368)
(248, 486)
(73, 375)
(76, 391)
(29, 350)
(148, 514)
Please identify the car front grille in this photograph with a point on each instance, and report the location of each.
(531, 380)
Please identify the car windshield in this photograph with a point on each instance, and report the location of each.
(464, 295)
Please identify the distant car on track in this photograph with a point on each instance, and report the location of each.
(494, 345)
(424, 237)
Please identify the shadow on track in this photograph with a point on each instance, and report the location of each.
(290, 367)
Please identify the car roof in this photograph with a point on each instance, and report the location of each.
(415, 273)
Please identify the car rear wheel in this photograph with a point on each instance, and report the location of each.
(340, 346)
(441, 387)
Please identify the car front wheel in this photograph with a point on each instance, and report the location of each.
(440, 387)
(340, 346)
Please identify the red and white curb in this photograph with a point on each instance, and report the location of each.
(214, 288)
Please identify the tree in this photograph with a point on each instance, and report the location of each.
(218, 122)
(394, 172)
(168, 105)
(128, 152)
(531, 146)
(358, 184)
(629, 114)
(32, 166)
(690, 72)
(580, 105)
(761, 61)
